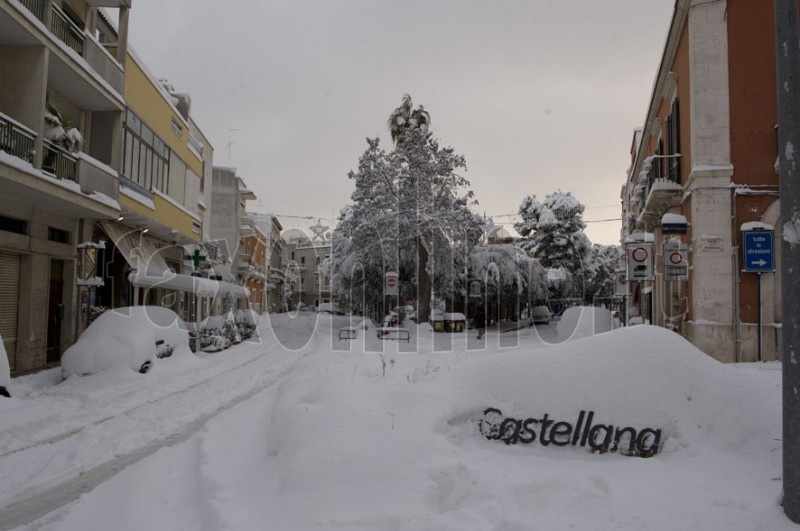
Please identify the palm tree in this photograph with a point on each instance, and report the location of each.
(405, 116)
(402, 119)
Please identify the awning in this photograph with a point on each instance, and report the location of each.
(137, 248)
(150, 270)
(202, 287)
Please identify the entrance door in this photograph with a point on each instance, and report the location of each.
(55, 311)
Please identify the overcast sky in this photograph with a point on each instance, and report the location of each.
(537, 95)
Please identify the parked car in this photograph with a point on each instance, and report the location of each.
(329, 307)
(133, 336)
(541, 315)
(194, 335)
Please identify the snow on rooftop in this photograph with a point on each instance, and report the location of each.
(643, 237)
(673, 219)
(755, 225)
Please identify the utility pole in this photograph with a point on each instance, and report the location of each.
(787, 52)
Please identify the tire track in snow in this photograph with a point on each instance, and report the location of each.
(38, 500)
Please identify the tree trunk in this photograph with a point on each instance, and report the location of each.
(423, 283)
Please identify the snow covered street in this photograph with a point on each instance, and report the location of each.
(58, 435)
(309, 432)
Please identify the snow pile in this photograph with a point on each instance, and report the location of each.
(584, 321)
(5, 370)
(356, 439)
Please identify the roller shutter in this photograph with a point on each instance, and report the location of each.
(9, 304)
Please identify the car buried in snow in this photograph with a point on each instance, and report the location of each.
(133, 336)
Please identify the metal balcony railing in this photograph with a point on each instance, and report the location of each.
(57, 161)
(62, 27)
(34, 6)
(60, 24)
(15, 139)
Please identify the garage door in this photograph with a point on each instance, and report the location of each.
(9, 304)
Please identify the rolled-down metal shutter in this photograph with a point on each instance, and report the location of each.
(9, 304)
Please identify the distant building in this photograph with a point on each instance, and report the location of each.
(276, 276)
(306, 261)
(252, 263)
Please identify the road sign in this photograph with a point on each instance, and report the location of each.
(676, 260)
(392, 283)
(757, 251)
(640, 262)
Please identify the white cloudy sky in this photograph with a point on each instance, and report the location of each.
(538, 95)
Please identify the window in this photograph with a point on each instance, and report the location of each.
(673, 143)
(176, 128)
(13, 225)
(57, 235)
(146, 157)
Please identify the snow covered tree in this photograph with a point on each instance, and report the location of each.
(509, 275)
(409, 214)
(552, 231)
(601, 275)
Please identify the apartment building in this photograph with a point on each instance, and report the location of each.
(61, 115)
(703, 179)
(159, 182)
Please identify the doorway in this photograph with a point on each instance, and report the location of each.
(55, 311)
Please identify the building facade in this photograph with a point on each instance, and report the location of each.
(703, 172)
(159, 178)
(305, 263)
(252, 263)
(271, 227)
(61, 116)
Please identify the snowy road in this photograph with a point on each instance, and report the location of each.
(308, 432)
(66, 438)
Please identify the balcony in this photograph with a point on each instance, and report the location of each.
(62, 72)
(662, 194)
(92, 175)
(16, 139)
(67, 31)
(59, 162)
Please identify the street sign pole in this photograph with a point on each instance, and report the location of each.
(759, 318)
(787, 52)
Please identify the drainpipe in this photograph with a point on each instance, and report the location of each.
(77, 317)
(736, 280)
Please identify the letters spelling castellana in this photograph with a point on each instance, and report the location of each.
(599, 437)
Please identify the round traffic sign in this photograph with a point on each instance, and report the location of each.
(639, 254)
(676, 258)
(391, 282)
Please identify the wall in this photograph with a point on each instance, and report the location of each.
(22, 85)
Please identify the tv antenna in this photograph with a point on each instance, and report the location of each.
(230, 145)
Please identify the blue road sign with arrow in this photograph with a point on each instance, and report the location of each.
(758, 256)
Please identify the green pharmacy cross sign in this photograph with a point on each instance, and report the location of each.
(196, 258)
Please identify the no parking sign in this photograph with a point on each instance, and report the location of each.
(676, 261)
(640, 261)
